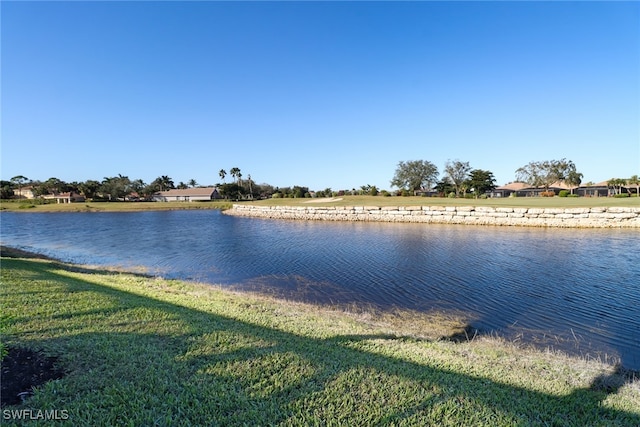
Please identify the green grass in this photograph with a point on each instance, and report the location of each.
(534, 202)
(147, 351)
(29, 206)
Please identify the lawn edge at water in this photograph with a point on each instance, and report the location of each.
(28, 206)
(78, 314)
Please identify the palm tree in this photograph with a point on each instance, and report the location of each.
(621, 183)
(612, 183)
(166, 183)
(222, 174)
(617, 184)
(137, 187)
(635, 180)
(250, 188)
(192, 183)
(163, 183)
(235, 172)
(573, 179)
(117, 187)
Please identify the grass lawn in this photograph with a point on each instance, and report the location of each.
(535, 202)
(139, 351)
(29, 206)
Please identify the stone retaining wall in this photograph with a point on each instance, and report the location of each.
(600, 217)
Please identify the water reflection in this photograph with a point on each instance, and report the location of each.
(575, 288)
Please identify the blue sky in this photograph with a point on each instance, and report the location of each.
(317, 94)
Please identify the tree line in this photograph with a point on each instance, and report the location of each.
(121, 188)
(415, 176)
(110, 188)
(458, 179)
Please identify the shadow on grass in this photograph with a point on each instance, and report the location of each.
(177, 365)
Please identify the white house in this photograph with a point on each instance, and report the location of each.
(187, 195)
(69, 197)
(24, 193)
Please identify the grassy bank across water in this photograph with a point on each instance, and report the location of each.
(515, 202)
(512, 202)
(139, 350)
(32, 206)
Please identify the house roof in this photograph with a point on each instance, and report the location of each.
(517, 186)
(562, 184)
(513, 186)
(606, 184)
(192, 192)
(598, 184)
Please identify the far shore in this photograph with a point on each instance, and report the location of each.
(514, 202)
(32, 206)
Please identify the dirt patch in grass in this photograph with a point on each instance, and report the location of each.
(22, 370)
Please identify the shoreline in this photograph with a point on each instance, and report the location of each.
(588, 217)
(11, 252)
(112, 207)
(241, 360)
(452, 324)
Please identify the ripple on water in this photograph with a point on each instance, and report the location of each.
(578, 287)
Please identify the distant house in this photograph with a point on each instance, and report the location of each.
(69, 197)
(556, 187)
(522, 189)
(24, 193)
(600, 189)
(187, 195)
(508, 189)
(603, 189)
(132, 197)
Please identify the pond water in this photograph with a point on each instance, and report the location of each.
(577, 290)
